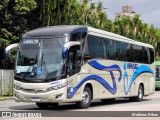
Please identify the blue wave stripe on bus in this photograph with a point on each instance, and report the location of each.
(140, 70)
(95, 64)
(114, 67)
(72, 91)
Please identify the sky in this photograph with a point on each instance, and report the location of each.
(149, 10)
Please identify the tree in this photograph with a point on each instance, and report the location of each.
(19, 16)
(13, 22)
(137, 22)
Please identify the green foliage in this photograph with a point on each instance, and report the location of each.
(22, 7)
(19, 16)
(14, 17)
(138, 30)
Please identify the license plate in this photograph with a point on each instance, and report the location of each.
(35, 99)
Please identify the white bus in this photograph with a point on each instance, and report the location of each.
(78, 64)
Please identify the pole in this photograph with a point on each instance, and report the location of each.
(87, 17)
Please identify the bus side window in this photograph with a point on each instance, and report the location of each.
(152, 54)
(78, 62)
(70, 62)
(110, 49)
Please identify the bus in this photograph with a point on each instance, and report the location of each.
(157, 75)
(78, 64)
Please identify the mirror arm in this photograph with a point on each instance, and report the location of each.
(67, 47)
(8, 48)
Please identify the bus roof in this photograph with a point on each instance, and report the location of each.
(56, 31)
(71, 29)
(117, 37)
(157, 63)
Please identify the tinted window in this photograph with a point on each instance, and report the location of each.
(144, 55)
(76, 37)
(137, 54)
(109, 49)
(151, 55)
(96, 47)
(124, 51)
(130, 53)
(121, 51)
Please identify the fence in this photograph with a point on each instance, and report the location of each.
(6, 82)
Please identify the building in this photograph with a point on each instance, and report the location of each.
(81, 1)
(126, 11)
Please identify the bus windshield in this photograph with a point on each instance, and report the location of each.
(40, 59)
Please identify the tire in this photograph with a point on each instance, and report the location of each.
(46, 105)
(86, 96)
(108, 100)
(140, 95)
(139, 98)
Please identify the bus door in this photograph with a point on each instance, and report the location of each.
(74, 65)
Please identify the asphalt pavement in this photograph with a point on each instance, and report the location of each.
(121, 109)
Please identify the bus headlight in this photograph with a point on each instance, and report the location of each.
(59, 86)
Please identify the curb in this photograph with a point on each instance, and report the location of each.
(2, 98)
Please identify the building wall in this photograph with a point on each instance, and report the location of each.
(126, 11)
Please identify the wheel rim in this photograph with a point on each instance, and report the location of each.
(85, 97)
(140, 93)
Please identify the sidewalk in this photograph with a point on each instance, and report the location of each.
(5, 98)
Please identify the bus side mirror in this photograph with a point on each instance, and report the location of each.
(65, 53)
(67, 47)
(8, 48)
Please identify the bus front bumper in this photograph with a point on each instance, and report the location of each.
(54, 96)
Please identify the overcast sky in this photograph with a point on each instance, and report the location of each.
(149, 10)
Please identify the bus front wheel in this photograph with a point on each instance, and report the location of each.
(86, 98)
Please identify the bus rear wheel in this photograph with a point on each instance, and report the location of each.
(139, 97)
(86, 99)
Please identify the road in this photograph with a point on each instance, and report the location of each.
(150, 103)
